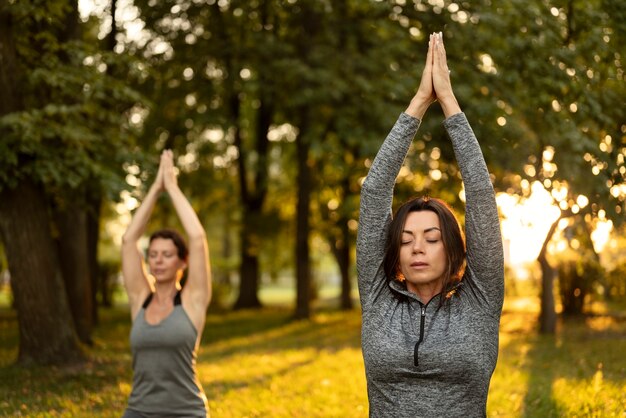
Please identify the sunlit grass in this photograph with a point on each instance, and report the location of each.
(286, 369)
(264, 364)
(580, 372)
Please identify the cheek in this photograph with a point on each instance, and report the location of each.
(405, 255)
(441, 256)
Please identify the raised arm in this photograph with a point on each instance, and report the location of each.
(485, 257)
(196, 293)
(377, 190)
(375, 208)
(133, 269)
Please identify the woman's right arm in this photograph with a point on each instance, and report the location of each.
(377, 189)
(133, 269)
(375, 207)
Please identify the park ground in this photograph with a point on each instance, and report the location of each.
(264, 364)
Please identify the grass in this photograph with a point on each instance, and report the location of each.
(263, 364)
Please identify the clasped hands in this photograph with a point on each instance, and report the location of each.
(166, 176)
(435, 84)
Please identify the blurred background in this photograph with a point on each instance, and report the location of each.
(275, 110)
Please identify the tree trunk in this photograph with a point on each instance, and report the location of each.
(573, 287)
(303, 267)
(73, 247)
(342, 255)
(46, 328)
(253, 199)
(341, 251)
(547, 314)
(340, 246)
(249, 268)
(253, 176)
(93, 236)
(222, 285)
(47, 334)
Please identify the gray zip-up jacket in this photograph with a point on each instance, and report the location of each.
(422, 360)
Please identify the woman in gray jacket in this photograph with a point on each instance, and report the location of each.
(431, 303)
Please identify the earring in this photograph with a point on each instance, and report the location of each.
(399, 276)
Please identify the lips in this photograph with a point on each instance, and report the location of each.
(419, 264)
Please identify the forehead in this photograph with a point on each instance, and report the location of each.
(421, 221)
(162, 244)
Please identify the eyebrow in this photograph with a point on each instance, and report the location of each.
(434, 228)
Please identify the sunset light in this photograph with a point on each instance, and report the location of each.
(525, 224)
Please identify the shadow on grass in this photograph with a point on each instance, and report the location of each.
(578, 354)
(229, 325)
(542, 373)
(272, 330)
(225, 385)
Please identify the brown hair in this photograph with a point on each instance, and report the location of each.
(177, 239)
(451, 235)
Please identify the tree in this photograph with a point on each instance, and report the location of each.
(219, 66)
(566, 104)
(353, 62)
(56, 142)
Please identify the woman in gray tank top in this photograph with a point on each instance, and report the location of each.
(431, 308)
(167, 321)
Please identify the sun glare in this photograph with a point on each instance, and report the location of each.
(526, 223)
(601, 235)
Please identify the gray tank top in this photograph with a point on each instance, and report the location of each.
(165, 382)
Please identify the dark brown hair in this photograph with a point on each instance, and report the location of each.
(176, 238)
(451, 235)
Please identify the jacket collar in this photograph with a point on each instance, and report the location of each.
(401, 289)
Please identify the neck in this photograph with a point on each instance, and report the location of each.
(426, 291)
(165, 291)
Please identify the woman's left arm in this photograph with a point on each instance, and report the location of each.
(196, 293)
(485, 255)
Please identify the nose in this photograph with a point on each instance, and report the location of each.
(418, 246)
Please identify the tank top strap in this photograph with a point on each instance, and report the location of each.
(147, 301)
